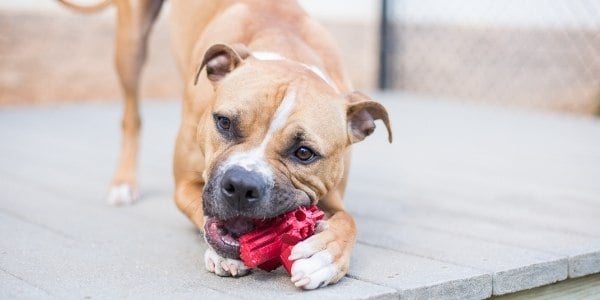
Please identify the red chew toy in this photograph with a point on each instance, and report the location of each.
(269, 245)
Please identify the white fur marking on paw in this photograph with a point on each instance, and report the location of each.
(320, 278)
(308, 247)
(122, 194)
(316, 271)
(303, 249)
(222, 266)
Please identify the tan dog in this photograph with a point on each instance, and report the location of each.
(268, 120)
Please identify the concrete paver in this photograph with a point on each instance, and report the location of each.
(506, 263)
(418, 277)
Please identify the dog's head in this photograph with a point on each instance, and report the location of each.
(274, 139)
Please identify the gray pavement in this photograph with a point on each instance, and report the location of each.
(469, 201)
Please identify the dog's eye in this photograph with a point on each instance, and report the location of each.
(304, 154)
(223, 123)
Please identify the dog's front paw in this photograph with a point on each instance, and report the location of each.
(321, 259)
(222, 266)
(122, 194)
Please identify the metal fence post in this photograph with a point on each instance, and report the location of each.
(385, 78)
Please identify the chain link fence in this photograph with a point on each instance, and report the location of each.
(542, 54)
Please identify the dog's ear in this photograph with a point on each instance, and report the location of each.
(361, 114)
(220, 59)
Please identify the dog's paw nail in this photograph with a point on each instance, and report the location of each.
(302, 282)
(233, 270)
(225, 266)
(122, 194)
(210, 266)
(297, 276)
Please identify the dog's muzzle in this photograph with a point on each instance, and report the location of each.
(241, 191)
(238, 196)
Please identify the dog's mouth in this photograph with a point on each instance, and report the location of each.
(223, 235)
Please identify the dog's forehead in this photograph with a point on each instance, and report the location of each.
(281, 99)
(263, 85)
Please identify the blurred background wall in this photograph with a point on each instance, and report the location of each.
(542, 54)
(534, 54)
(50, 54)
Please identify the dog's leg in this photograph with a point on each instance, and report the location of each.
(188, 198)
(324, 258)
(188, 167)
(134, 21)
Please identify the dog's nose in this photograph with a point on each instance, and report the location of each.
(242, 188)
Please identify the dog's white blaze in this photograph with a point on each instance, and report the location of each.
(280, 117)
(322, 75)
(255, 160)
(249, 162)
(266, 55)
